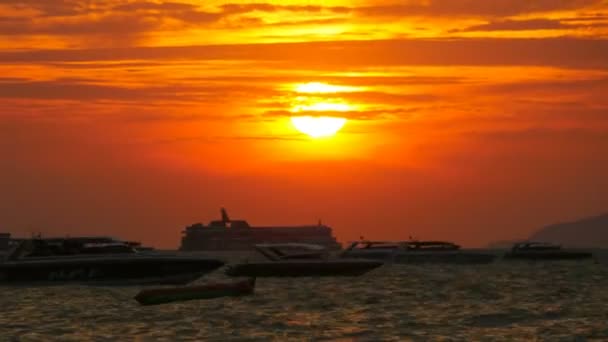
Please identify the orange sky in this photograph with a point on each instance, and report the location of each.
(467, 120)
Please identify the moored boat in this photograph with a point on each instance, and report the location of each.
(206, 291)
(416, 252)
(544, 251)
(107, 262)
(312, 262)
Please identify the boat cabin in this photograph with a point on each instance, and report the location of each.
(38, 247)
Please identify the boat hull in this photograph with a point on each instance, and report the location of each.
(460, 258)
(548, 255)
(301, 268)
(426, 257)
(207, 291)
(109, 270)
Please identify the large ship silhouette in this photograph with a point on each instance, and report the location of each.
(234, 235)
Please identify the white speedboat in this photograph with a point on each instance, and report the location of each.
(300, 260)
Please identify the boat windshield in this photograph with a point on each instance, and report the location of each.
(432, 245)
(376, 245)
(291, 251)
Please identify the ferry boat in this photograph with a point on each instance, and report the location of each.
(416, 252)
(98, 261)
(544, 251)
(238, 235)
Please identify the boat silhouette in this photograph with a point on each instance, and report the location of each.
(98, 261)
(531, 250)
(312, 261)
(205, 291)
(415, 251)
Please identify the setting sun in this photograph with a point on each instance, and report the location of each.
(319, 126)
(453, 130)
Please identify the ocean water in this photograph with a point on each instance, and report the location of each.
(503, 301)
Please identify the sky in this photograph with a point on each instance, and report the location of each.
(467, 121)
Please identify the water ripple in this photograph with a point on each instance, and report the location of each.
(502, 301)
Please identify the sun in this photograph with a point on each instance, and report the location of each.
(317, 108)
(318, 126)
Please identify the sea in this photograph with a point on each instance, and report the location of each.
(502, 301)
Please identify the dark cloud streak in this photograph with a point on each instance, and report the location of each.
(72, 17)
(473, 8)
(528, 25)
(559, 52)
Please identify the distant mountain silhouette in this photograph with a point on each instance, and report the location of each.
(588, 232)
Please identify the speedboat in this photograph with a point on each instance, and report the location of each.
(544, 251)
(415, 252)
(98, 261)
(299, 260)
(206, 291)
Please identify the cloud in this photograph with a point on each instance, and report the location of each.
(527, 25)
(495, 8)
(73, 89)
(155, 6)
(517, 25)
(52, 8)
(363, 115)
(554, 86)
(76, 18)
(474, 8)
(111, 17)
(558, 52)
(181, 11)
(119, 26)
(73, 17)
(265, 7)
(81, 89)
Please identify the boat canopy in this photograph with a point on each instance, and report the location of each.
(277, 251)
(67, 246)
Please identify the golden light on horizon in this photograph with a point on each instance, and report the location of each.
(318, 126)
(323, 107)
(322, 88)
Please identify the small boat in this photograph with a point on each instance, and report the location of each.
(207, 291)
(98, 261)
(311, 261)
(416, 252)
(544, 251)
